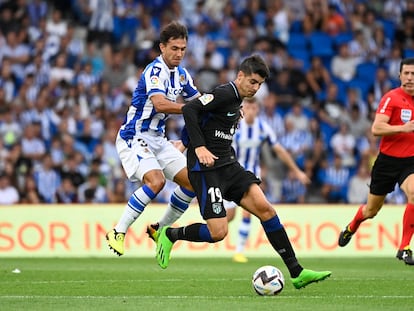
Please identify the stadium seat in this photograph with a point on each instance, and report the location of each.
(343, 37)
(366, 71)
(408, 53)
(389, 28)
(362, 84)
(297, 41)
(301, 55)
(321, 44)
(296, 27)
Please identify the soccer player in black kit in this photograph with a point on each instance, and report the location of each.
(215, 174)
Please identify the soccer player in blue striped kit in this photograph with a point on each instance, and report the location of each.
(211, 122)
(146, 154)
(251, 134)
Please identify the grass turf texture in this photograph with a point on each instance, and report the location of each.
(198, 284)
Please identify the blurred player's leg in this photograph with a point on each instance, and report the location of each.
(404, 252)
(136, 205)
(243, 235)
(179, 202)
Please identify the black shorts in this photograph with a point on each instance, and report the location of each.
(228, 182)
(387, 171)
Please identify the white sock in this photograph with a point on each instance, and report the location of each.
(244, 230)
(136, 205)
(179, 202)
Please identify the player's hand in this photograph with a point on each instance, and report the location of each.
(303, 178)
(178, 144)
(205, 157)
(409, 127)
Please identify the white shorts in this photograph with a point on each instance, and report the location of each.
(148, 152)
(229, 204)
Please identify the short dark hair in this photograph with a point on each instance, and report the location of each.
(173, 30)
(406, 61)
(255, 64)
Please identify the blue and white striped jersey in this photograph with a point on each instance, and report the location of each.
(248, 140)
(157, 78)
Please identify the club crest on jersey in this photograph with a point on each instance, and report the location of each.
(206, 98)
(182, 79)
(406, 115)
(217, 207)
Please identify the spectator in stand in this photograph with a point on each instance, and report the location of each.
(33, 147)
(393, 10)
(29, 193)
(297, 142)
(392, 64)
(92, 186)
(315, 156)
(8, 81)
(283, 90)
(282, 18)
(369, 23)
(17, 52)
(8, 193)
(343, 65)
(335, 180)
(293, 191)
(56, 25)
(354, 98)
(10, 129)
(86, 75)
(271, 115)
(56, 152)
(119, 193)
(117, 69)
(69, 170)
(47, 180)
(382, 84)
(360, 48)
(343, 144)
(67, 192)
(404, 35)
(358, 124)
(359, 185)
(331, 110)
(146, 33)
(101, 24)
(37, 10)
(60, 72)
(382, 46)
(197, 43)
(318, 77)
(334, 23)
(316, 11)
(298, 117)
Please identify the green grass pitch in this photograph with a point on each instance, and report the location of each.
(198, 284)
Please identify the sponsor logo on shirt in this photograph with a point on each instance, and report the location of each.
(154, 80)
(221, 134)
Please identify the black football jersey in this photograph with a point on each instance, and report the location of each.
(211, 121)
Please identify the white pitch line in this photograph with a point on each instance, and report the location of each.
(198, 297)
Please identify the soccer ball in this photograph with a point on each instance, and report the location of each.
(268, 281)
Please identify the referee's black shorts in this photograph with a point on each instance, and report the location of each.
(228, 182)
(387, 171)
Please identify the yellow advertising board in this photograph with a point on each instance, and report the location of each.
(79, 231)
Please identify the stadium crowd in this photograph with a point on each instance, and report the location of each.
(68, 69)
